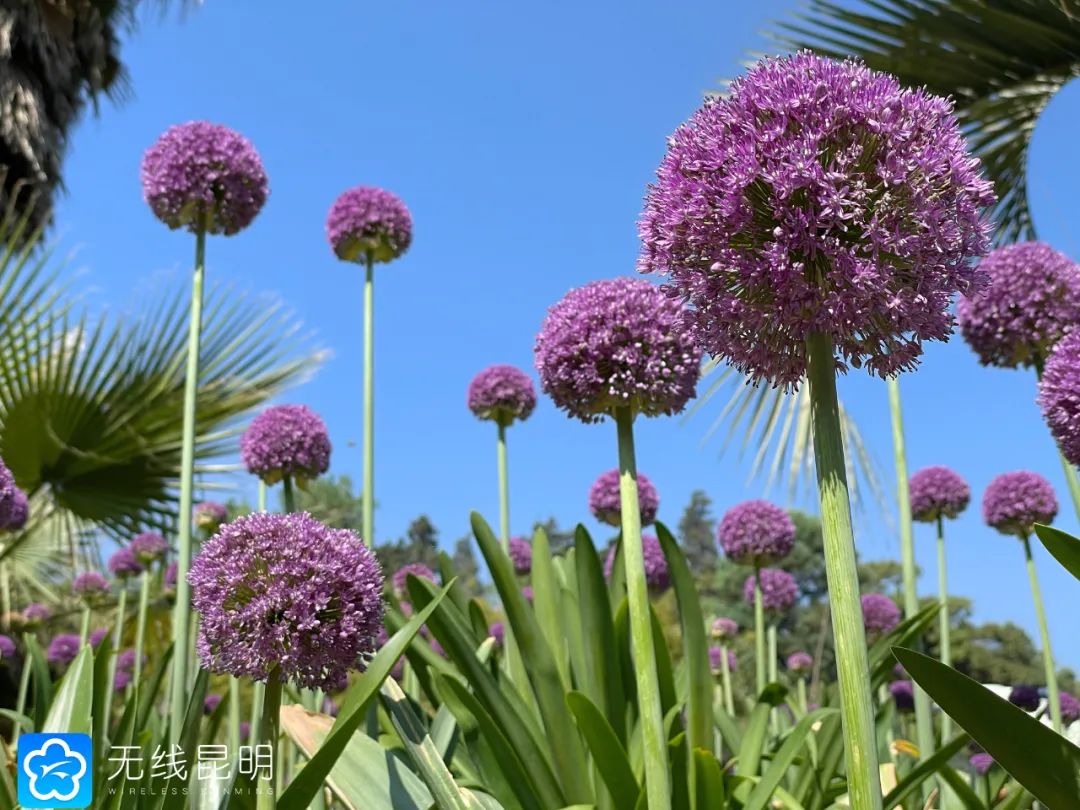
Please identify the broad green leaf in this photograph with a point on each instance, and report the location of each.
(913, 780)
(777, 769)
(882, 661)
(607, 750)
(171, 791)
(709, 780)
(1040, 759)
(1063, 546)
(961, 789)
(21, 720)
(546, 602)
(757, 729)
(40, 681)
(71, 708)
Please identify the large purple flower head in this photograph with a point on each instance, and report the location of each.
(89, 586)
(149, 547)
(7, 646)
(9, 494)
(981, 763)
(779, 590)
(657, 575)
(204, 176)
(287, 440)
(1059, 395)
(285, 594)
(817, 197)
(1025, 697)
(521, 555)
(800, 663)
(62, 649)
(880, 613)
(1070, 707)
(502, 394)
(756, 533)
(1032, 298)
(18, 512)
(903, 695)
(937, 492)
(716, 660)
(1014, 502)
(368, 223)
(614, 344)
(724, 628)
(401, 577)
(123, 563)
(605, 503)
(209, 515)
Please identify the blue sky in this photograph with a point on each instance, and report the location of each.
(522, 137)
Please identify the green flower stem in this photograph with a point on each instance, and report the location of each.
(944, 618)
(257, 690)
(262, 495)
(5, 586)
(890, 733)
(504, 489)
(117, 639)
(140, 624)
(182, 610)
(725, 681)
(287, 496)
(774, 675)
(24, 686)
(804, 707)
(234, 716)
(368, 494)
(1044, 634)
(84, 631)
(801, 693)
(924, 723)
(852, 665)
(654, 744)
(269, 724)
(759, 633)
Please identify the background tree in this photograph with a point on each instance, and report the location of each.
(467, 567)
(697, 535)
(331, 499)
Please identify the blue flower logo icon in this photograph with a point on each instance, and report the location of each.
(54, 771)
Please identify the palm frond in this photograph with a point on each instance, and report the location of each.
(1001, 60)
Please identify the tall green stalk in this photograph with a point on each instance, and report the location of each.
(84, 630)
(140, 624)
(944, 619)
(852, 665)
(774, 715)
(504, 488)
(117, 639)
(269, 724)
(725, 681)
(654, 744)
(182, 610)
(924, 723)
(288, 498)
(258, 687)
(1044, 634)
(24, 686)
(759, 632)
(262, 496)
(368, 495)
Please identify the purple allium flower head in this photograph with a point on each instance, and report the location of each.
(122, 680)
(981, 763)
(527, 592)
(287, 440)
(716, 659)
(62, 649)
(1070, 707)
(817, 197)
(401, 576)
(779, 590)
(937, 492)
(210, 703)
(89, 585)
(366, 222)
(903, 695)
(497, 631)
(97, 636)
(618, 343)
(18, 511)
(436, 647)
(880, 613)
(204, 176)
(1014, 502)
(606, 505)
(800, 663)
(286, 594)
(9, 494)
(36, 613)
(724, 628)
(123, 563)
(502, 394)
(657, 575)
(1025, 697)
(756, 533)
(7, 646)
(1032, 298)
(329, 707)
(521, 555)
(209, 515)
(170, 575)
(149, 547)
(126, 659)
(1059, 395)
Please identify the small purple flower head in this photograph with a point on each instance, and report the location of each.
(614, 344)
(401, 577)
(368, 223)
(1025, 697)
(497, 631)
(716, 660)
(209, 515)
(204, 176)
(779, 590)
(817, 197)
(880, 613)
(436, 647)
(1059, 395)
(527, 592)
(121, 680)
(521, 555)
(7, 647)
(169, 580)
(1032, 298)
(9, 494)
(657, 575)
(937, 492)
(800, 663)
(899, 671)
(62, 649)
(123, 564)
(287, 440)
(1014, 502)
(606, 505)
(756, 533)
(36, 613)
(502, 394)
(1070, 707)
(329, 707)
(210, 703)
(89, 586)
(285, 594)
(903, 695)
(981, 763)
(126, 659)
(149, 547)
(97, 636)
(18, 512)
(724, 628)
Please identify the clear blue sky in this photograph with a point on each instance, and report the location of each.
(522, 137)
